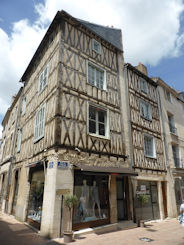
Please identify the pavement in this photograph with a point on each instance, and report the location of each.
(167, 232)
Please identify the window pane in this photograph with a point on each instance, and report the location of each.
(91, 75)
(148, 141)
(99, 79)
(92, 127)
(101, 116)
(92, 113)
(101, 129)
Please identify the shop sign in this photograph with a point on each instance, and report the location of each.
(62, 165)
(143, 188)
(62, 192)
(51, 164)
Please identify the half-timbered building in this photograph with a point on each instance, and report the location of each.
(146, 146)
(72, 136)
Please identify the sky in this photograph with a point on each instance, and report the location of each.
(153, 34)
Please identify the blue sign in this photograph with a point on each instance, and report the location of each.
(51, 164)
(63, 165)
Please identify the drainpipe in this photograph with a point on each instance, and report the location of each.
(13, 151)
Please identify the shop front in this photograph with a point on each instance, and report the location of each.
(92, 192)
(146, 201)
(103, 196)
(37, 179)
(179, 191)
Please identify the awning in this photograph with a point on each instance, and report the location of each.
(34, 164)
(109, 170)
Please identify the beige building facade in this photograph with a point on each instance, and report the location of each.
(70, 137)
(172, 110)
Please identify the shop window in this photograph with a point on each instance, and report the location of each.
(92, 193)
(98, 121)
(36, 198)
(96, 76)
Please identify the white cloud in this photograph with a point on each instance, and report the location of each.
(150, 33)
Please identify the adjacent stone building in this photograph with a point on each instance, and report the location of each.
(172, 111)
(69, 133)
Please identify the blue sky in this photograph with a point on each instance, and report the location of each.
(153, 34)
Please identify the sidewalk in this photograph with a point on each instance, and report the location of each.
(167, 232)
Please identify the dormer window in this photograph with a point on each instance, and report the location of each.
(96, 46)
(144, 86)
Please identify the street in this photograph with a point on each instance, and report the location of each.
(167, 232)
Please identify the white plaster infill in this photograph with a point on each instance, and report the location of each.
(124, 225)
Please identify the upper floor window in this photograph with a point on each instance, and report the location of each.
(39, 123)
(43, 79)
(149, 146)
(172, 124)
(145, 109)
(96, 46)
(24, 106)
(168, 95)
(19, 139)
(96, 76)
(98, 121)
(144, 86)
(176, 156)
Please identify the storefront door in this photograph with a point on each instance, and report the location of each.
(122, 198)
(91, 190)
(148, 210)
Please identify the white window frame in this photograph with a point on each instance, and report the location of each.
(153, 145)
(144, 85)
(42, 85)
(23, 106)
(96, 67)
(39, 123)
(99, 51)
(148, 110)
(107, 133)
(19, 140)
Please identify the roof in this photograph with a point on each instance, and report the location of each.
(128, 65)
(110, 35)
(109, 170)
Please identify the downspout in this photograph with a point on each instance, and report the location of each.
(13, 151)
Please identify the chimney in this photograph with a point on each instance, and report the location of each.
(142, 68)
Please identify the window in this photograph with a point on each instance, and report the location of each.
(144, 86)
(19, 139)
(96, 46)
(149, 146)
(98, 123)
(23, 106)
(145, 109)
(168, 96)
(172, 124)
(175, 150)
(39, 124)
(43, 79)
(96, 76)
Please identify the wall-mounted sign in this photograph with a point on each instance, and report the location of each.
(62, 192)
(62, 165)
(51, 164)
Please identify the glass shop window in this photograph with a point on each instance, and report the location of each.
(36, 198)
(92, 193)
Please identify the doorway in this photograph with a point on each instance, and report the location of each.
(122, 198)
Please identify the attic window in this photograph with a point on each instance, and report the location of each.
(96, 46)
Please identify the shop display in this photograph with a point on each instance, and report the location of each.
(92, 193)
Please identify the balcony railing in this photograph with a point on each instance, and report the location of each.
(173, 129)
